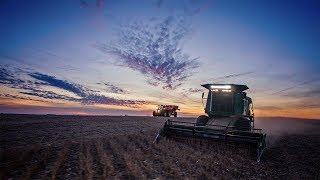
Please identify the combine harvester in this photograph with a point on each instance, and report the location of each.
(229, 117)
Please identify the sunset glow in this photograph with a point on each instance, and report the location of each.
(125, 57)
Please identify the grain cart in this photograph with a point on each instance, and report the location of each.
(229, 117)
(166, 110)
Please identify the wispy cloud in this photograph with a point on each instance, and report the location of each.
(11, 96)
(195, 90)
(192, 90)
(219, 79)
(114, 89)
(313, 92)
(266, 107)
(48, 95)
(297, 85)
(304, 104)
(34, 88)
(53, 81)
(152, 48)
(7, 77)
(100, 99)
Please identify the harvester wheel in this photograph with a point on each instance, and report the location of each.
(154, 113)
(243, 124)
(167, 114)
(175, 114)
(202, 120)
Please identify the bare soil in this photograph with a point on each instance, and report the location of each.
(121, 147)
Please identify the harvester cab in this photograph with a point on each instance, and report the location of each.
(228, 104)
(230, 117)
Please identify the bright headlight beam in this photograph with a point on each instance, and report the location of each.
(220, 87)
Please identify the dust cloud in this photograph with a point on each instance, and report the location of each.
(277, 127)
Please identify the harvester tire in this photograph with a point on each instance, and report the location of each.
(243, 124)
(175, 114)
(167, 114)
(154, 113)
(202, 120)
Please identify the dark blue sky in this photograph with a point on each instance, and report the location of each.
(152, 47)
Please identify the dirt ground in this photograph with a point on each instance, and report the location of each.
(121, 147)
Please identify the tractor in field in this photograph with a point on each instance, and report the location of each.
(166, 110)
(230, 117)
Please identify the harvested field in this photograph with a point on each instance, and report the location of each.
(100, 147)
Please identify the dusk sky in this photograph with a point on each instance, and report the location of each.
(117, 57)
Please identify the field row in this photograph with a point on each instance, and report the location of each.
(20, 131)
(136, 157)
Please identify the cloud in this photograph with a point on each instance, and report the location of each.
(313, 92)
(7, 77)
(296, 85)
(152, 48)
(100, 99)
(34, 88)
(195, 90)
(192, 8)
(115, 89)
(217, 79)
(53, 81)
(303, 104)
(48, 95)
(266, 107)
(192, 90)
(20, 97)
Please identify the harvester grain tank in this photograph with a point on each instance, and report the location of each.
(230, 117)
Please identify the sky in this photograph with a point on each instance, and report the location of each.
(124, 57)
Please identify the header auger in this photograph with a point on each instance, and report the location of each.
(230, 117)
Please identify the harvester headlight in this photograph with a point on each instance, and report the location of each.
(226, 90)
(220, 87)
